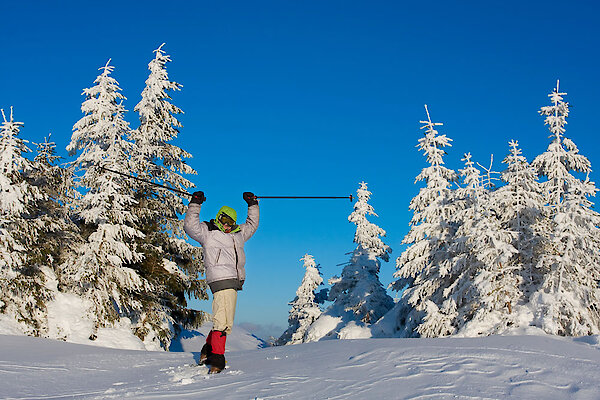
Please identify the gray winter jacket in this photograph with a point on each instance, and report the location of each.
(224, 256)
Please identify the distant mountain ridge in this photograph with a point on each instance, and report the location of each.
(193, 340)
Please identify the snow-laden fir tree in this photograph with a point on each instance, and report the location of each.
(467, 201)
(170, 262)
(489, 283)
(359, 299)
(423, 265)
(502, 236)
(50, 177)
(445, 309)
(23, 293)
(567, 303)
(305, 306)
(99, 270)
(475, 292)
(60, 235)
(472, 283)
(358, 289)
(521, 210)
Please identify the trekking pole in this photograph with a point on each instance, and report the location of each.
(146, 181)
(305, 197)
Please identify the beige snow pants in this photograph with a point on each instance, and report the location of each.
(223, 308)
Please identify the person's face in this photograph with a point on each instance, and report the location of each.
(227, 223)
(227, 228)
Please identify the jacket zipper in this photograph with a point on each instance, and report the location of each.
(237, 270)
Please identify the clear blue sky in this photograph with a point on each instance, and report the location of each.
(311, 98)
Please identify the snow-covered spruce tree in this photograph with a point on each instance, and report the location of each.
(359, 299)
(170, 263)
(449, 306)
(501, 235)
(521, 210)
(567, 302)
(305, 306)
(98, 271)
(467, 200)
(489, 284)
(478, 292)
(471, 286)
(23, 294)
(423, 265)
(358, 289)
(59, 234)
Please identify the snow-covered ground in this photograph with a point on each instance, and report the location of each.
(495, 367)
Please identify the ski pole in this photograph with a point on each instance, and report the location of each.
(305, 197)
(189, 195)
(146, 181)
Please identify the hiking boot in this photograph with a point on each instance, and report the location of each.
(204, 354)
(215, 370)
(216, 361)
(203, 358)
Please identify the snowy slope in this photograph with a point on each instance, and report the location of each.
(519, 367)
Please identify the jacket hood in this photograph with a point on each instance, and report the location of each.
(229, 212)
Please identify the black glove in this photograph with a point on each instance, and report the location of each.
(198, 197)
(250, 198)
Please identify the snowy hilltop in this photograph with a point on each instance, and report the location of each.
(493, 367)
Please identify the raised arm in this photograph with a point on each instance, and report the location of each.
(191, 224)
(251, 224)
